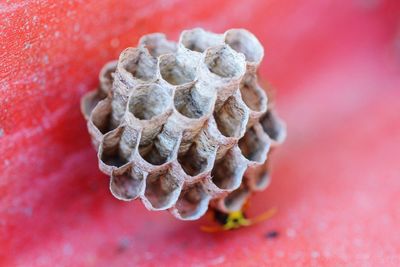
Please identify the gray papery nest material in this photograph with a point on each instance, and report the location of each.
(184, 125)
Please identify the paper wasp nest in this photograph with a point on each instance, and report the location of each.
(184, 125)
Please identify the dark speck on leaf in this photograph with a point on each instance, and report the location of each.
(272, 234)
(123, 245)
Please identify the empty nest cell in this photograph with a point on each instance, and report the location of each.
(89, 102)
(163, 148)
(162, 189)
(106, 77)
(193, 102)
(252, 94)
(101, 116)
(138, 63)
(177, 70)
(232, 118)
(228, 171)
(235, 200)
(199, 40)
(273, 126)
(110, 152)
(199, 158)
(261, 180)
(127, 183)
(157, 44)
(224, 62)
(193, 202)
(194, 162)
(255, 144)
(148, 101)
(245, 42)
(257, 177)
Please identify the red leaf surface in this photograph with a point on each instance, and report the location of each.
(336, 181)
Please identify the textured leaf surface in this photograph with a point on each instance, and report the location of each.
(336, 69)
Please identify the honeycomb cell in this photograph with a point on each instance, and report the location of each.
(224, 62)
(236, 199)
(232, 117)
(106, 77)
(162, 189)
(245, 42)
(258, 177)
(193, 102)
(274, 127)
(138, 64)
(199, 40)
(157, 44)
(148, 101)
(198, 159)
(163, 148)
(89, 102)
(262, 180)
(127, 183)
(101, 116)
(110, 153)
(192, 203)
(228, 171)
(255, 144)
(177, 70)
(252, 94)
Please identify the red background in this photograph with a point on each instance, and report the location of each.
(336, 181)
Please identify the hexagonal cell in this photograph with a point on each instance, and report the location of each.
(162, 189)
(255, 144)
(106, 77)
(138, 63)
(235, 200)
(199, 40)
(273, 126)
(224, 62)
(232, 117)
(127, 183)
(228, 171)
(157, 44)
(110, 152)
(262, 180)
(252, 94)
(245, 42)
(163, 148)
(89, 101)
(199, 158)
(101, 116)
(192, 202)
(148, 101)
(258, 176)
(177, 70)
(193, 102)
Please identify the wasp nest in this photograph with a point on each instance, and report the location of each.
(184, 125)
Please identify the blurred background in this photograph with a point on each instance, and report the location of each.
(335, 69)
